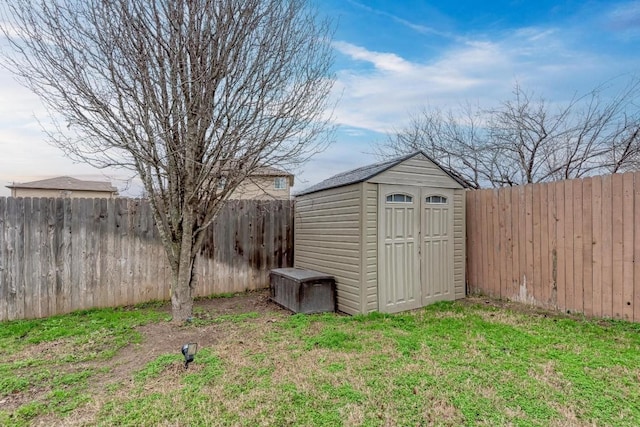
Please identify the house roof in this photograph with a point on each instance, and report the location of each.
(67, 183)
(366, 172)
(270, 171)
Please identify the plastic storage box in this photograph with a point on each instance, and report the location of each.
(303, 291)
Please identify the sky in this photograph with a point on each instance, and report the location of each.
(393, 58)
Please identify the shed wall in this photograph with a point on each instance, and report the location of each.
(328, 239)
(459, 242)
(418, 171)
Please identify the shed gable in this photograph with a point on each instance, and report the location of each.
(416, 170)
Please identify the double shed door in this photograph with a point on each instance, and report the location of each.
(415, 247)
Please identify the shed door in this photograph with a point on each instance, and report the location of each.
(436, 265)
(415, 247)
(398, 248)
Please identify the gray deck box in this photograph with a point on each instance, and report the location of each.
(303, 291)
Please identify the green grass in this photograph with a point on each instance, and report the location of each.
(448, 364)
(47, 358)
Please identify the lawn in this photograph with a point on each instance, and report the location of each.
(462, 363)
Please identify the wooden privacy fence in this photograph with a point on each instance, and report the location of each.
(61, 255)
(569, 245)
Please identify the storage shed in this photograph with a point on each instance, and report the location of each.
(392, 234)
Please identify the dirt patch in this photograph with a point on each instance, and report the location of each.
(166, 337)
(256, 301)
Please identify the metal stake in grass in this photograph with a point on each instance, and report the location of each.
(189, 352)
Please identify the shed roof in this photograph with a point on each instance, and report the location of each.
(67, 183)
(367, 172)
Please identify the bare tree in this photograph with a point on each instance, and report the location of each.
(528, 139)
(193, 95)
(455, 138)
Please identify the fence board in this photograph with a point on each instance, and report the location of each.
(560, 225)
(596, 211)
(636, 249)
(66, 256)
(75, 273)
(568, 246)
(527, 285)
(13, 251)
(500, 248)
(24, 266)
(536, 288)
(494, 266)
(545, 274)
(475, 244)
(135, 286)
(577, 303)
(515, 243)
(51, 236)
(627, 226)
(507, 259)
(551, 249)
(573, 245)
(92, 259)
(27, 274)
(37, 254)
(122, 225)
(587, 246)
(616, 256)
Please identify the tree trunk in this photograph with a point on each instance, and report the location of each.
(181, 296)
(182, 280)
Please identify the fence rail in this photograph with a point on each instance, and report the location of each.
(61, 255)
(571, 245)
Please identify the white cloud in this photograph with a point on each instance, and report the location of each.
(383, 97)
(382, 61)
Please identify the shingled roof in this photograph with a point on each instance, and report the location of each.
(269, 171)
(66, 183)
(366, 172)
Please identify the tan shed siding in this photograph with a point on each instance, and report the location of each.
(459, 236)
(371, 244)
(416, 171)
(328, 239)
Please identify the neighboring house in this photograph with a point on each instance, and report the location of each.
(64, 186)
(266, 183)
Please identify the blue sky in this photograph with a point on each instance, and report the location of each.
(394, 57)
